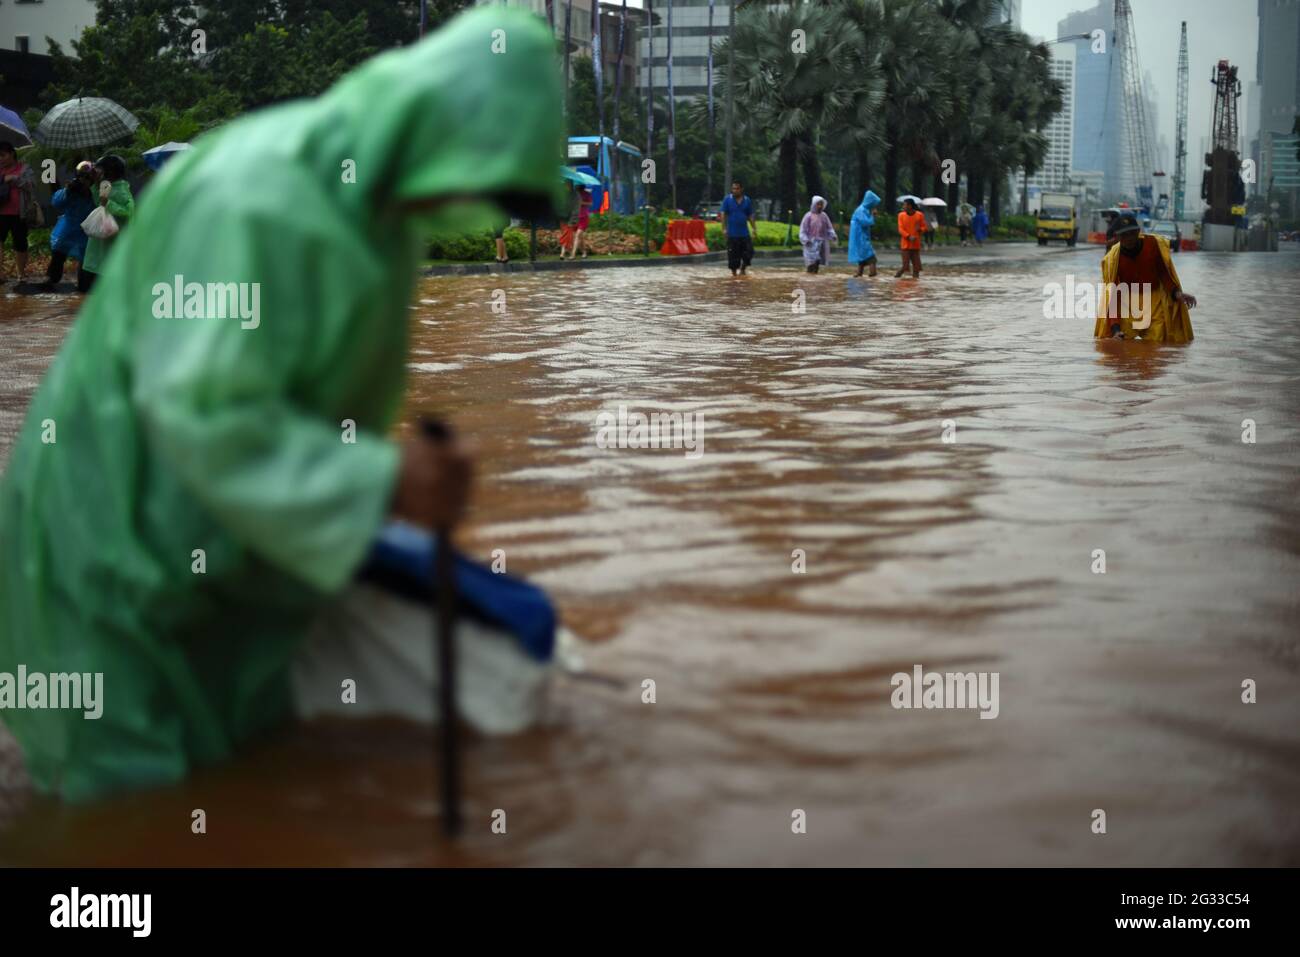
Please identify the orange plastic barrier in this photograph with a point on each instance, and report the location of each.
(685, 237)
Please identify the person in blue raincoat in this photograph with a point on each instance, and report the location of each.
(67, 241)
(980, 225)
(860, 249)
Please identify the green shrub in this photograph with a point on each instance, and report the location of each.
(1024, 225)
(478, 247)
(38, 240)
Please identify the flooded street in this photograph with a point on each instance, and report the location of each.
(824, 450)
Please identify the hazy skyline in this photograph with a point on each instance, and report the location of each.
(1216, 29)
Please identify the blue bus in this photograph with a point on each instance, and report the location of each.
(618, 167)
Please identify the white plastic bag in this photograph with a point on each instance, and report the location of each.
(100, 224)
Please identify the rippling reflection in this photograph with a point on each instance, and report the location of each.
(824, 434)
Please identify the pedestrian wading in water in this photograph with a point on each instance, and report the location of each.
(738, 214)
(1136, 261)
(219, 527)
(911, 226)
(861, 251)
(816, 235)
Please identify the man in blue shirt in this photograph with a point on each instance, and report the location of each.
(738, 214)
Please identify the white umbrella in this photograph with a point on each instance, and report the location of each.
(155, 157)
(906, 196)
(933, 201)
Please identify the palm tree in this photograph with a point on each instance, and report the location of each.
(918, 90)
(1022, 97)
(860, 128)
(789, 91)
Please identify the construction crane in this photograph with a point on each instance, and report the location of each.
(1180, 129)
(1221, 185)
(1136, 129)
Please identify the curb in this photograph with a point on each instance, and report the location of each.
(555, 265)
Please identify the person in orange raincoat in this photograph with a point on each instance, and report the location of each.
(911, 226)
(1135, 264)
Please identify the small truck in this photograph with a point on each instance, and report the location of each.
(1057, 218)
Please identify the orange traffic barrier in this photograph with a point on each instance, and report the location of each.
(685, 237)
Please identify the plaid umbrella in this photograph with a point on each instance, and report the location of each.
(85, 121)
(13, 129)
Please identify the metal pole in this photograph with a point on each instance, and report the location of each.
(618, 107)
(444, 596)
(598, 66)
(568, 34)
(672, 114)
(708, 175)
(731, 81)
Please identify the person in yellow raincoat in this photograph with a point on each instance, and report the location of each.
(1134, 264)
(207, 463)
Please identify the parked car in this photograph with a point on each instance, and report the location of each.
(708, 211)
(1168, 230)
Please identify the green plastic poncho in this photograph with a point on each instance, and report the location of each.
(154, 436)
(121, 204)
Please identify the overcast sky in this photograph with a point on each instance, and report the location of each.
(1216, 29)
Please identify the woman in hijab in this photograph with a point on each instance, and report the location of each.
(816, 234)
(980, 225)
(860, 248)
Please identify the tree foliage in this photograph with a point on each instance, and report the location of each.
(882, 92)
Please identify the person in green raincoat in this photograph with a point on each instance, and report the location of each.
(114, 194)
(206, 463)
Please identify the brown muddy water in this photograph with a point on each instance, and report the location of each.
(824, 433)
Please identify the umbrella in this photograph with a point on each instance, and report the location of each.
(161, 154)
(578, 176)
(915, 199)
(933, 201)
(13, 129)
(85, 121)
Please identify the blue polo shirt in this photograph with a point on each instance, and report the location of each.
(737, 215)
